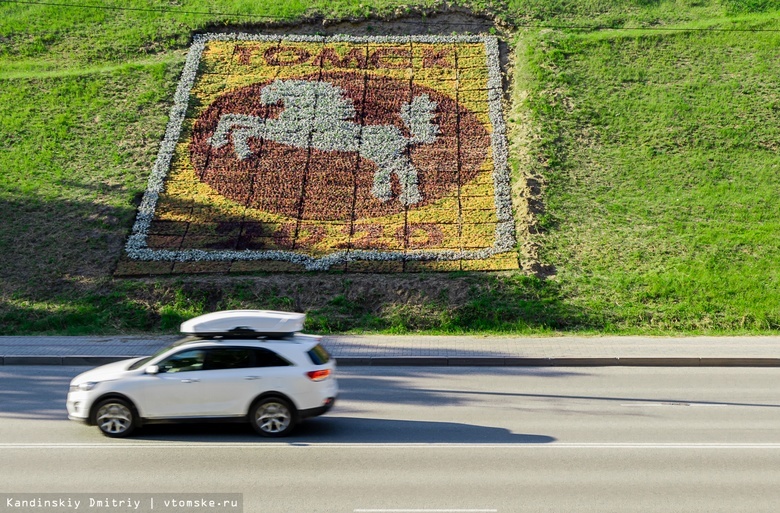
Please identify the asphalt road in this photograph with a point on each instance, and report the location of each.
(436, 440)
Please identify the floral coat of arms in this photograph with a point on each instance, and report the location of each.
(317, 153)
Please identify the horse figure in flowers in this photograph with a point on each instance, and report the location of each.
(319, 115)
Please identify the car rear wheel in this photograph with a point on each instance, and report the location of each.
(272, 417)
(115, 418)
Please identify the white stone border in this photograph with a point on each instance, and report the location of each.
(138, 249)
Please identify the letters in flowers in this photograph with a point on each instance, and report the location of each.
(332, 153)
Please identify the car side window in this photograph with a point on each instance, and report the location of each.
(183, 361)
(267, 358)
(318, 355)
(228, 358)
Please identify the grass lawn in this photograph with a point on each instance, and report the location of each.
(656, 152)
(662, 174)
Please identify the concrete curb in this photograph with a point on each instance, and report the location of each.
(60, 360)
(475, 361)
(450, 361)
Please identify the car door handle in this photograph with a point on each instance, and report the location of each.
(190, 380)
(252, 377)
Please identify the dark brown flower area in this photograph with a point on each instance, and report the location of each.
(438, 58)
(420, 235)
(321, 185)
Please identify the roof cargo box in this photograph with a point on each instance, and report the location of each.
(245, 323)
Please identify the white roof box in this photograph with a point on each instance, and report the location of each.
(245, 323)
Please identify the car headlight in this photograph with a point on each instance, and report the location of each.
(87, 385)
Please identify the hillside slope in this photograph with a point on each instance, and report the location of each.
(651, 153)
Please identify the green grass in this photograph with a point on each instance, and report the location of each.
(661, 197)
(656, 150)
(58, 36)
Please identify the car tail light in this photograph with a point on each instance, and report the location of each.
(318, 375)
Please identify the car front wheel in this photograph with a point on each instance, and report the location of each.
(115, 418)
(272, 417)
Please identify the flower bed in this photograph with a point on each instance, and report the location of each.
(311, 153)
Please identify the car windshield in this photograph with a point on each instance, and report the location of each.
(143, 361)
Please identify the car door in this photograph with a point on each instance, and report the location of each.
(177, 390)
(277, 373)
(236, 375)
(228, 379)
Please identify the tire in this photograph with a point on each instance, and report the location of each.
(272, 417)
(115, 418)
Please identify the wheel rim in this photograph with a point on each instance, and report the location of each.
(273, 417)
(114, 418)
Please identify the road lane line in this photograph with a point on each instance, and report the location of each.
(668, 404)
(424, 510)
(270, 445)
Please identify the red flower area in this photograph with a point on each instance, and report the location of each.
(321, 185)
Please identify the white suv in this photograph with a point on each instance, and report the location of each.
(239, 364)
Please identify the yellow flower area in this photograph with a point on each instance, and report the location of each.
(318, 211)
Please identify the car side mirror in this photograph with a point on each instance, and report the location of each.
(152, 369)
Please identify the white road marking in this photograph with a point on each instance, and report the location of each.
(668, 404)
(299, 445)
(424, 510)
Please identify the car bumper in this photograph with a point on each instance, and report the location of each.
(314, 412)
(78, 406)
(82, 420)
